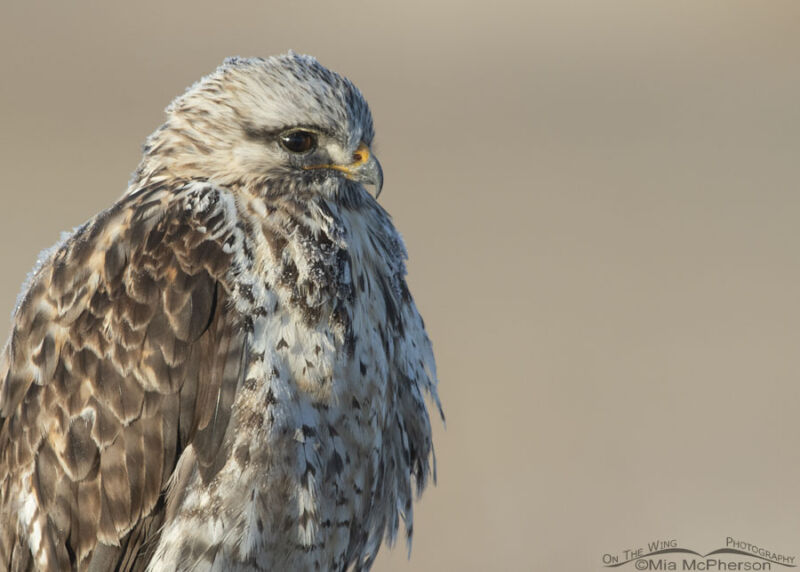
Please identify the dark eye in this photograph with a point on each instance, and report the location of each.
(299, 141)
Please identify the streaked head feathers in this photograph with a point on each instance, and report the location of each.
(226, 127)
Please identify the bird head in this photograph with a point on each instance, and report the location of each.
(278, 125)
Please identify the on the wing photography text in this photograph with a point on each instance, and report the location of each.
(667, 554)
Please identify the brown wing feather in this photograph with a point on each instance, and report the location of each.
(121, 354)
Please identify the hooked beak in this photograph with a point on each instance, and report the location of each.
(365, 168)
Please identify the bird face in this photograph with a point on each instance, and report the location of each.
(299, 151)
(284, 124)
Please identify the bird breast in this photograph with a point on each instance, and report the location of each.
(309, 416)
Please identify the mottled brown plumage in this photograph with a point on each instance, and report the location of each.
(224, 370)
(134, 361)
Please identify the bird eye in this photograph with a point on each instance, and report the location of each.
(299, 141)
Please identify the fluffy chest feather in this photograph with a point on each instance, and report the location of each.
(306, 484)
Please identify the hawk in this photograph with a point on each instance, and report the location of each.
(225, 370)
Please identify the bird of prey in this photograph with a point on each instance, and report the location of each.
(225, 370)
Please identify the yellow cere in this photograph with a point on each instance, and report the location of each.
(360, 156)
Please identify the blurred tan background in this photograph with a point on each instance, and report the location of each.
(600, 200)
